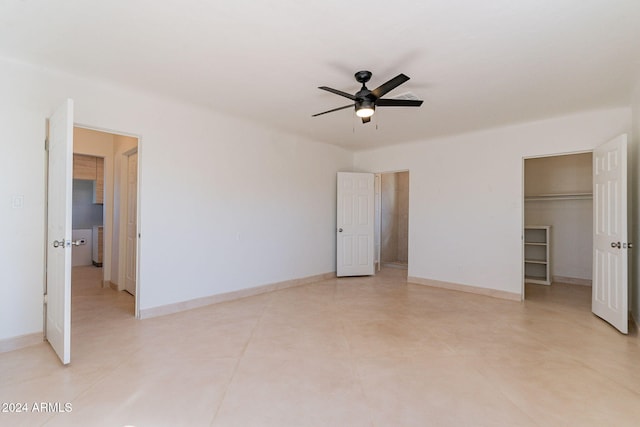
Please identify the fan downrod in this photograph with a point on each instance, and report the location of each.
(363, 76)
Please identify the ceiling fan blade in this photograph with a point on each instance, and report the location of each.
(398, 103)
(366, 119)
(384, 88)
(338, 92)
(335, 109)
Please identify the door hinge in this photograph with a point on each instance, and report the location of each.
(46, 144)
(46, 299)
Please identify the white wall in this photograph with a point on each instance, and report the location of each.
(466, 198)
(225, 204)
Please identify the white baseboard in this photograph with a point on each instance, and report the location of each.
(571, 280)
(15, 343)
(230, 296)
(465, 288)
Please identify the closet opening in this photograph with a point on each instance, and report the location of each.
(558, 228)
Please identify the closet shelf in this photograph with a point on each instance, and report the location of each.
(563, 196)
(535, 279)
(535, 261)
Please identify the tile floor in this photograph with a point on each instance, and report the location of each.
(343, 352)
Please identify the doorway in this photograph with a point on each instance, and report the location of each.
(105, 231)
(393, 220)
(558, 224)
(609, 225)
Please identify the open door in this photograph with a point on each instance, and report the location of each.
(609, 299)
(355, 224)
(132, 224)
(58, 263)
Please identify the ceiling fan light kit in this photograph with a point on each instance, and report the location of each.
(365, 100)
(365, 109)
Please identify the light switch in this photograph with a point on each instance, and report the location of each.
(17, 201)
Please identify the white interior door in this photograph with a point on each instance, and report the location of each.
(609, 299)
(132, 223)
(59, 199)
(355, 224)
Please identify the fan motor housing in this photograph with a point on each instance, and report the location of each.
(363, 94)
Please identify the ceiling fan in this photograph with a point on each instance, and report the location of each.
(366, 101)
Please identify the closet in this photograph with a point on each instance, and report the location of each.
(558, 202)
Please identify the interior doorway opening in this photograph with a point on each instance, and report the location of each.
(393, 219)
(104, 206)
(558, 225)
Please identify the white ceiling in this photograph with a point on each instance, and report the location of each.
(476, 64)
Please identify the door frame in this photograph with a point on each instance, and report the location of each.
(522, 219)
(121, 243)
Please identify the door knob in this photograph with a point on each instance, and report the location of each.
(616, 245)
(339, 230)
(79, 242)
(59, 243)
